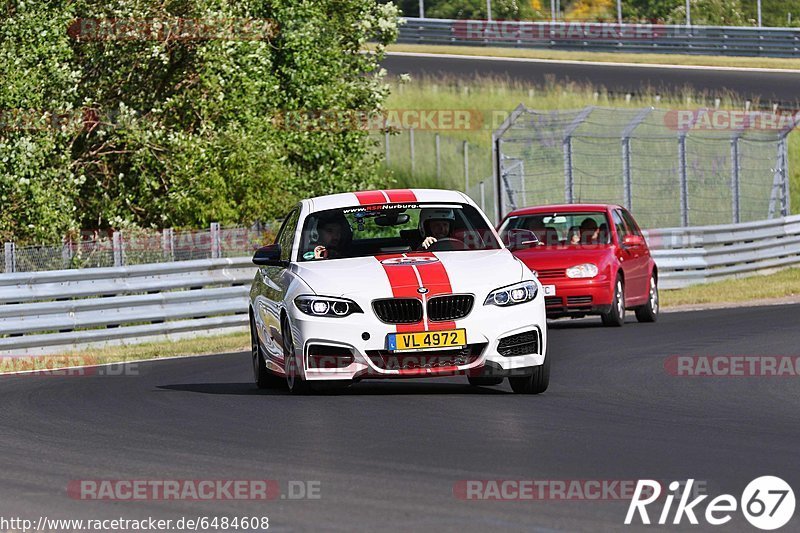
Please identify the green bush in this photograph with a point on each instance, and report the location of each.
(181, 131)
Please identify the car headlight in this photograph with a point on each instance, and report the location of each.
(326, 306)
(586, 270)
(513, 294)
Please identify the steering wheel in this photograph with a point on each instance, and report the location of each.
(447, 244)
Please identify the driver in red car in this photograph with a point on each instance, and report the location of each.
(435, 224)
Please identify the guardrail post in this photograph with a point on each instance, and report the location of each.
(10, 257)
(735, 185)
(466, 166)
(216, 245)
(116, 245)
(483, 196)
(168, 244)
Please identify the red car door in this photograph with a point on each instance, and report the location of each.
(633, 258)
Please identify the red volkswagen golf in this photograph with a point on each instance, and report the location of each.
(591, 259)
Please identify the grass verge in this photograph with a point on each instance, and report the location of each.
(228, 343)
(758, 287)
(604, 57)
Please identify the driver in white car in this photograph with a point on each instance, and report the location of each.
(435, 224)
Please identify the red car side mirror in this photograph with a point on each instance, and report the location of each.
(633, 240)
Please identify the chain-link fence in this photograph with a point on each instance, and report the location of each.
(670, 167)
(137, 247)
(425, 158)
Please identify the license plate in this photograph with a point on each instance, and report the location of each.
(549, 290)
(455, 338)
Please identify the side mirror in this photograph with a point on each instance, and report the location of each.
(268, 256)
(633, 240)
(520, 239)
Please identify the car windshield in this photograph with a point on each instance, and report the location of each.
(361, 231)
(564, 229)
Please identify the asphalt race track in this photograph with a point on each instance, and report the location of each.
(783, 87)
(387, 454)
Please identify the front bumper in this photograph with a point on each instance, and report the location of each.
(355, 347)
(578, 296)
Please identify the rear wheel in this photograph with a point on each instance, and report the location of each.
(294, 379)
(615, 317)
(536, 383)
(264, 378)
(484, 381)
(649, 311)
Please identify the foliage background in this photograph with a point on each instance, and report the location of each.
(181, 132)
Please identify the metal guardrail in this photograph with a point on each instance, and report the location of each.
(60, 310)
(687, 256)
(56, 311)
(604, 37)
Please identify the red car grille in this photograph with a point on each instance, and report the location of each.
(551, 273)
(579, 300)
(550, 301)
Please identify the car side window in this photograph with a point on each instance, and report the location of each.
(622, 229)
(631, 223)
(286, 235)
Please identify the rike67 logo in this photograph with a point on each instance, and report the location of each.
(767, 503)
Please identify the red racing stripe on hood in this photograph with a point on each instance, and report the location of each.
(435, 279)
(403, 281)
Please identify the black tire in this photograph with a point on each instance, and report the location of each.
(263, 377)
(536, 383)
(295, 383)
(649, 311)
(484, 381)
(616, 315)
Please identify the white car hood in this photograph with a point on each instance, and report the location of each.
(476, 272)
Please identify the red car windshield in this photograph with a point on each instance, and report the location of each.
(564, 229)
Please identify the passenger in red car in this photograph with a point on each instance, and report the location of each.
(589, 231)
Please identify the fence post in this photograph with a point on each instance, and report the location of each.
(466, 166)
(438, 157)
(10, 257)
(116, 245)
(483, 196)
(168, 244)
(735, 186)
(216, 248)
(683, 179)
(386, 147)
(569, 180)
(626, 155)
(66, 252)
(786, 205)
(411, 148)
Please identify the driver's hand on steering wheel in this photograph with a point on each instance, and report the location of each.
(427, 242)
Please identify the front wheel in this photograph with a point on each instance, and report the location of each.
(264, 378)
(536, 383)
(615, 317)
(294, 379)
(649, 311)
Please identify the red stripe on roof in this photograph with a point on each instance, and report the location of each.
(370, 197)
(401, 195)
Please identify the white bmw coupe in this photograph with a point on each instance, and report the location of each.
(395, 284)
